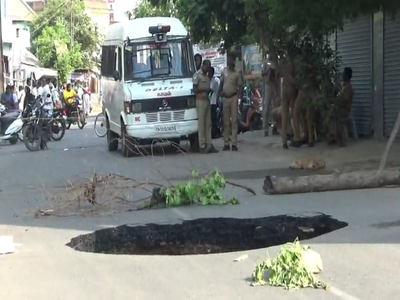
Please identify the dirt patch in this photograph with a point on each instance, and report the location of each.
(205, 236)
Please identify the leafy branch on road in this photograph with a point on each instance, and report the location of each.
(114, 193)
(204, 190)
(288, 269)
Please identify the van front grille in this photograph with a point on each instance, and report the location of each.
(165, 116)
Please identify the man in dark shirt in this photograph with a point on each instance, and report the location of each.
(345, 101)
(7, 98)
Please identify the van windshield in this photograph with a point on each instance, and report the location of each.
(146, 61)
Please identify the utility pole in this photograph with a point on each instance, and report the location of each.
(72, 27)
(1, 53)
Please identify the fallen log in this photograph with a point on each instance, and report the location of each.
(279, 185)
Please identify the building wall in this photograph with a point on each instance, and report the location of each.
(99, 13)
(21, 33)
(36, 5)
(374, 55)
(18, 10)
(355, 46)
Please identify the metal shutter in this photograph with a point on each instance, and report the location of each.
(391, 73)
(354, 45)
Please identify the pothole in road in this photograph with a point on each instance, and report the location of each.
(205, 236)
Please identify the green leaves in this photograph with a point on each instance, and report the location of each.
(146, 9)
(204, 190)
(286, 270)
(65, 23)
(48, 45)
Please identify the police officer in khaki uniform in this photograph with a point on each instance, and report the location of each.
(230, 87)
(271, 86)
(201, 88)
(289, 95)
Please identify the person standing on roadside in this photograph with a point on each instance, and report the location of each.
(201, 88)
(21, 96)
(86, 99)
(270, 85)
(7, 98)
(231, 85)
(214, 88)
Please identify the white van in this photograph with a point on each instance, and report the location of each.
(147, 67)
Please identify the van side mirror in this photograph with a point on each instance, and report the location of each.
(116, 76)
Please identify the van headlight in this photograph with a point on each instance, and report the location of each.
(136, 107)
(191, 102)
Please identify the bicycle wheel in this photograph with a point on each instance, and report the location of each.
(100, 125)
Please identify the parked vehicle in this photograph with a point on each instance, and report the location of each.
(148, 91)
(42, 125)
(34, 132)
(249, 112)
(10, 124)
(75, 115)
(57, 121)
(57, 125)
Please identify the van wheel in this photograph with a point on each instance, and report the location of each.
(112, 138)
(126, 142)
(194, 142)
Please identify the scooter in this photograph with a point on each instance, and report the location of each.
(10, 125)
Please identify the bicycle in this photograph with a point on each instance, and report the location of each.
(102, 119)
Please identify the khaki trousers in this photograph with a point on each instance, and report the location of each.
(204, 123)
(230, 116)
(289, 93)
(269, 104)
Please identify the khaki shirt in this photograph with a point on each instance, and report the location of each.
(203, 82)
(232, 80)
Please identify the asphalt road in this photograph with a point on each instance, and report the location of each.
(361, 261)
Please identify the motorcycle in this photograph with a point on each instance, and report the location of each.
(10, 124)
(249, 111)
(57, 121)
(41, 127)
(33, 130)
(75, 115)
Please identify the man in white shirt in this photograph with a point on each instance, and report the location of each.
(214, 87)
(47, 100)
(21, 97)
(79, 91)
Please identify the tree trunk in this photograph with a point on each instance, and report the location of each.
(274, 185)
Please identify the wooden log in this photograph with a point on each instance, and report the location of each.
(279, 185)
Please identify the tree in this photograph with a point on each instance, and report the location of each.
(53, 52)
(79, 29)
(212, 21)
(292, 30)
(146, 9)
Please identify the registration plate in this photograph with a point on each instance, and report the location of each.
(170, 128)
